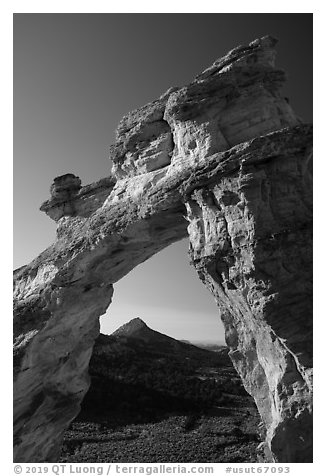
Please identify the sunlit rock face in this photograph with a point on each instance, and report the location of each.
(227, 162)
(235, 99)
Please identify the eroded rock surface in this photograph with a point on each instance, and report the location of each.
(251, 244)
(69, 198)
(226, 161)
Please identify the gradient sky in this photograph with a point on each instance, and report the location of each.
(75, 76)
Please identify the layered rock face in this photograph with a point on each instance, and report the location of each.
(226, 161)
(250, 242)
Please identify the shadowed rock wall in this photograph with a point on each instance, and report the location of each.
(226, 161)
(251, 242)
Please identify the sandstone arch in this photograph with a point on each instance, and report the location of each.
(226, 161)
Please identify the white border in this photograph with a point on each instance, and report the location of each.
(168, 6)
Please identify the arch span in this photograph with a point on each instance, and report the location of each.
(226, 162)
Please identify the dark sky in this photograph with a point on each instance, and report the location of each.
(76, 75)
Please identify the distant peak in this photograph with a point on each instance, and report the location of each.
(130, 327)
(137, 322)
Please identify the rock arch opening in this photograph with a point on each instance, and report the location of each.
(165, 292)
(165, 374)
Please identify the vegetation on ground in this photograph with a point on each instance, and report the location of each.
(149, 406)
